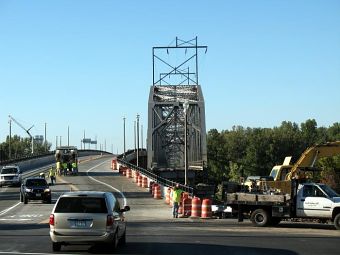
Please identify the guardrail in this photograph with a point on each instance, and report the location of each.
(156, 178)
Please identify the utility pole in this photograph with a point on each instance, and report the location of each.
(142, 135)
(10, 140)
(56, 142)
(45, 139)
(123, 136)
(60, 141)
(68, 135)
(185, 108)
(137, 140)
(134, 129)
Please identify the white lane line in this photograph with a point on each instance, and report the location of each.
(8, 209)
(107, 185)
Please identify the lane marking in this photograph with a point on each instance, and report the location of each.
(107, 185)
(8, 209)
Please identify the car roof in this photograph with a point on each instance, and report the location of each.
(10, 166)
(84, 194)
(34, 178)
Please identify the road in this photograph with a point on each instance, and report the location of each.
(151, 230)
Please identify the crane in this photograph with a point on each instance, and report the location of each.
(27, 131)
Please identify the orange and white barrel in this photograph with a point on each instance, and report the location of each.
(128, 173)
(151, 187)
(206, 208)
(157, 191)
(145, 182)
(139, 180)
(187, 203)
(114, 164)
(167, 196)
(196, 207)
(136, 177)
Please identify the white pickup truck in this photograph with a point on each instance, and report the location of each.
(306, 200)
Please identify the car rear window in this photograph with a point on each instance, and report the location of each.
(81, 205)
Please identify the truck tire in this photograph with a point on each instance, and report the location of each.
(260, 218)
(337, 221)
(275, 221)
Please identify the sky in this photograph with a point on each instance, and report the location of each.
(86, 64)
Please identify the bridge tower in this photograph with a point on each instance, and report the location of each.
(176, 114)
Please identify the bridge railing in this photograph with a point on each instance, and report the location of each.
(156, 178)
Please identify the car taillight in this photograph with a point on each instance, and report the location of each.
(109, 220)
(52, 219)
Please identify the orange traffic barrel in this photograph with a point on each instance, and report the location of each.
(128, 173)
(167, 196)
(157, 191)
(114, 164)
(196, 207)
(136, 177)
(151, 187)
(187, 203)
(124, 171)
(145, 182)
(139, 180)
(206, 208)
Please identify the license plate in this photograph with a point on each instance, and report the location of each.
(80, 223)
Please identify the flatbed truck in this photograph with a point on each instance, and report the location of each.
(306, 200)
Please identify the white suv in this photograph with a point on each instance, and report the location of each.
(10, 175)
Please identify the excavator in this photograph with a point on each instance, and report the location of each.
(283, 174)
(306, 162)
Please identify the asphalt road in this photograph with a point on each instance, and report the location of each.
(151, 230)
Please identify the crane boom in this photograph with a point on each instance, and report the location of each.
(26, 130)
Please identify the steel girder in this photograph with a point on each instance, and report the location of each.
(166, 119)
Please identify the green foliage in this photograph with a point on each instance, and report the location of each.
(21, 147)
(254, 151)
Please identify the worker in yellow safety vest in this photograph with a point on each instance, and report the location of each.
(74, 168)
(176, 200)
(64, 168)
(52, 175)
(58, 168)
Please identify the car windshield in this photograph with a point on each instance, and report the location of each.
(36, 182)
(81, 205)
(273, 173)
(329, 191)
(9, 171)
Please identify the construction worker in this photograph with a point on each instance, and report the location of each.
(65, 168)
(74, 168)
(176, 200)
(52, 175)
(58, 168)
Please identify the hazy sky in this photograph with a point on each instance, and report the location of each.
(85, 64)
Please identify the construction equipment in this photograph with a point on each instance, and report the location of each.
(306, 162)
(27, 131)
(68, 158)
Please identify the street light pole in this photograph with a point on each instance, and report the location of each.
(185, 109)
(9, 141)
(68, 135)
(137, 140)
(123, 136)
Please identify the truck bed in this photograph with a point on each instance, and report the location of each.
(250, 198)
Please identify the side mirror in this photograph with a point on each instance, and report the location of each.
(125, 209)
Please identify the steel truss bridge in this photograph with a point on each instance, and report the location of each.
(176, 114)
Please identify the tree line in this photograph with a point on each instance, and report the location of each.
(254, 151)
(19, 147)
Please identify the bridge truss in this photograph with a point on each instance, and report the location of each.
(176, 105)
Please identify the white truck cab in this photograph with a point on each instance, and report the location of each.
(317, 201)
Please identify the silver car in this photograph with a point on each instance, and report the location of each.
(10, 175)
(87, 217)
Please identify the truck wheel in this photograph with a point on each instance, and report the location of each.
(275, 221)
(56, 246)
(337, 221)
(260, 218)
